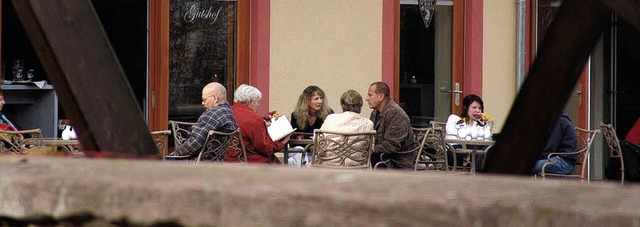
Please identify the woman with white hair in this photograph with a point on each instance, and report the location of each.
(258, 145)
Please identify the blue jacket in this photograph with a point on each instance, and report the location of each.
(563, 139)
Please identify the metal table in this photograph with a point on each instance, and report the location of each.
(469, 147)
(70, 146)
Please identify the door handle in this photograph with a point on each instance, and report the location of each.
(579, 91)
(444, 90)
(456, 93)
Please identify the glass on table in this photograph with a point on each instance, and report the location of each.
(30, 74)
(18, 70)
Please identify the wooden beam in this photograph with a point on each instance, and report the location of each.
(91, 85)
(547, 88)
(629, 10)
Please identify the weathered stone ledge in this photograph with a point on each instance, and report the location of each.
(66, 190)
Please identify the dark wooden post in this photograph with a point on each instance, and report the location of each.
(86, 74)
(555, 71)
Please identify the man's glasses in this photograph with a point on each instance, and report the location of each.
(205, 99)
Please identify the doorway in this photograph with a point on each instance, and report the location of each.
(425, 62)
(622, 96)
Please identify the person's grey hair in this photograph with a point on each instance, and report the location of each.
(351, 100)
(246, 94)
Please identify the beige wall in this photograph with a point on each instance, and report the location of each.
(334, 44)
(499, 60)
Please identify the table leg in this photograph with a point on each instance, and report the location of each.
(286, 154)
(473, 160)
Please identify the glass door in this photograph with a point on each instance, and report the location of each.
(622, 94)
(425, 61)
(202, 35)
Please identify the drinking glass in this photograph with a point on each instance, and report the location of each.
(30, 74)
(18, 70)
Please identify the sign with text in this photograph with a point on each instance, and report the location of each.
(201, 50)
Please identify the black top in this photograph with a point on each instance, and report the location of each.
(309, 129)
(563, 139)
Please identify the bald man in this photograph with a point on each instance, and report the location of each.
(217, 117)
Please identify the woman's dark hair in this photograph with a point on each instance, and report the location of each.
(466, 102)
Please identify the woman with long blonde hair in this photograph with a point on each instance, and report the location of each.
(311, 110)
(309, 113)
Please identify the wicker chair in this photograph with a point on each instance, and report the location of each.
(343, 150)
(215, 146)
(20, 142)
(585, 140)
(420, 136)
(161, 139)
(181, 131)
(613, 144)
(438, 124)
(433, 153)
(236, 147)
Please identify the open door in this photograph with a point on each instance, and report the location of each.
(426, 54)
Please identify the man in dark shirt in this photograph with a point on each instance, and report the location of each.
(217, 117)
(563, 139)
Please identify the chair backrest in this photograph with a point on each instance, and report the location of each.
(236, 147)
(585, 140)
(345, 150)
(611, 140)
(161, 139)
(181, 131)
(420, 136)
(613, 144)
(432, 151)
(216, 146)
(438, 124)
(20, 142)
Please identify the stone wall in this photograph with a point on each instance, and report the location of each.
(63, 191)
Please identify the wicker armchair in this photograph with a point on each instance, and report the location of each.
(613, 144)
(344, 150)
(181, 131)
(20, 142)
(420, 137)
(585, 140)
(433, 153)
(236, 147)
(215, 146)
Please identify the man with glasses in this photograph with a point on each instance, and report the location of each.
(217, 117)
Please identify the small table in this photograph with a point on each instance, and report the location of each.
(469, 147)
(71, 146)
